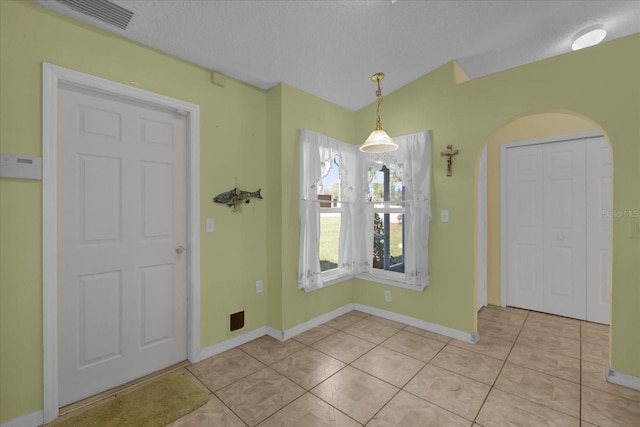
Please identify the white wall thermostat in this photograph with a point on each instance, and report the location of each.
(12, 166)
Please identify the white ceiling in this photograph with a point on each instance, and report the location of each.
(331, 48)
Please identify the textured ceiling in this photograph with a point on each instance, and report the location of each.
(331, 48)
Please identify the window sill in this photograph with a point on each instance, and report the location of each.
(331, 278)
(386, 281)
(340, 277)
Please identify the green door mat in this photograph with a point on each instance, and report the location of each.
(153, 405)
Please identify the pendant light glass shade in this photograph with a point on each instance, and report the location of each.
(378, 141)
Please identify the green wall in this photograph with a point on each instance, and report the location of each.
(601, 84)
(252, 135)
(233, 144)
(296, 110)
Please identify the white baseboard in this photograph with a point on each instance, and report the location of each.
(623, 379)
(418, 323)
(317, 321)
(274, 333)
(33, 419)
(236, 341)
(223, 346)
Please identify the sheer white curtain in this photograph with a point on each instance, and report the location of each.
(349, 246)
(412, 163)
(309, 273)
(317, 152)
(417, 181)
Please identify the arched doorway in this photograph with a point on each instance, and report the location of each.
(529, 126)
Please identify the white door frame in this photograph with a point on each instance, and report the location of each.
(503, 195)
(481, 260)
(52, 77)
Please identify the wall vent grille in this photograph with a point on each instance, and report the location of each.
(102, 10)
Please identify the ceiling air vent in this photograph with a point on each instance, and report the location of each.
(102, 10)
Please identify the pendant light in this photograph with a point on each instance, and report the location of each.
(378, 141)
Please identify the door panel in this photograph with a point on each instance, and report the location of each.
(524, 220)
(155, 180)
(564, 229)
(99, 194)
(100, 304)
(121, 215)
(599, 218)
(155, 289)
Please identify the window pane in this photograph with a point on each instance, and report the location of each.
(388, 242)
(396, 231)
(329, 240)
(386, 192)
(386, 186)
(376, 188)
(329, 186)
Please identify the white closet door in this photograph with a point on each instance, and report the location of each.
(559, 199)
(524, 226)
(599, 204)
(564, 231)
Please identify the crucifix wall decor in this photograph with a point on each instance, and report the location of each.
(449, 153)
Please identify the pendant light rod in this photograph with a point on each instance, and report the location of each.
(378, 141)
(377, 78)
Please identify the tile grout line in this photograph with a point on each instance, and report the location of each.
(580, 391)
(428, 401)
(308, 391)
(502, 367)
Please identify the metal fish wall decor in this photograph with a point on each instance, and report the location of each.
(235, 197)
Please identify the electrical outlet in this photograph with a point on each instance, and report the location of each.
(444, 215)
(634, 229)
(387, 296)
(210, 225)
(259, 286)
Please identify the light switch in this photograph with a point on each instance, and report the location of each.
(210, 225)
(444, 215)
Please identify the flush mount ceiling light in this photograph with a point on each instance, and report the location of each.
(378, 141)
(589, 37)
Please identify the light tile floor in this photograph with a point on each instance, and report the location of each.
(528, 369)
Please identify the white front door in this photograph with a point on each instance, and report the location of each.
(121, 233)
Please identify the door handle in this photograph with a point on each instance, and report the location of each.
(180, 249)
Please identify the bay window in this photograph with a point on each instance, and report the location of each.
(364, 214)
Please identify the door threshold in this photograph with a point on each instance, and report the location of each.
(112, 393)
